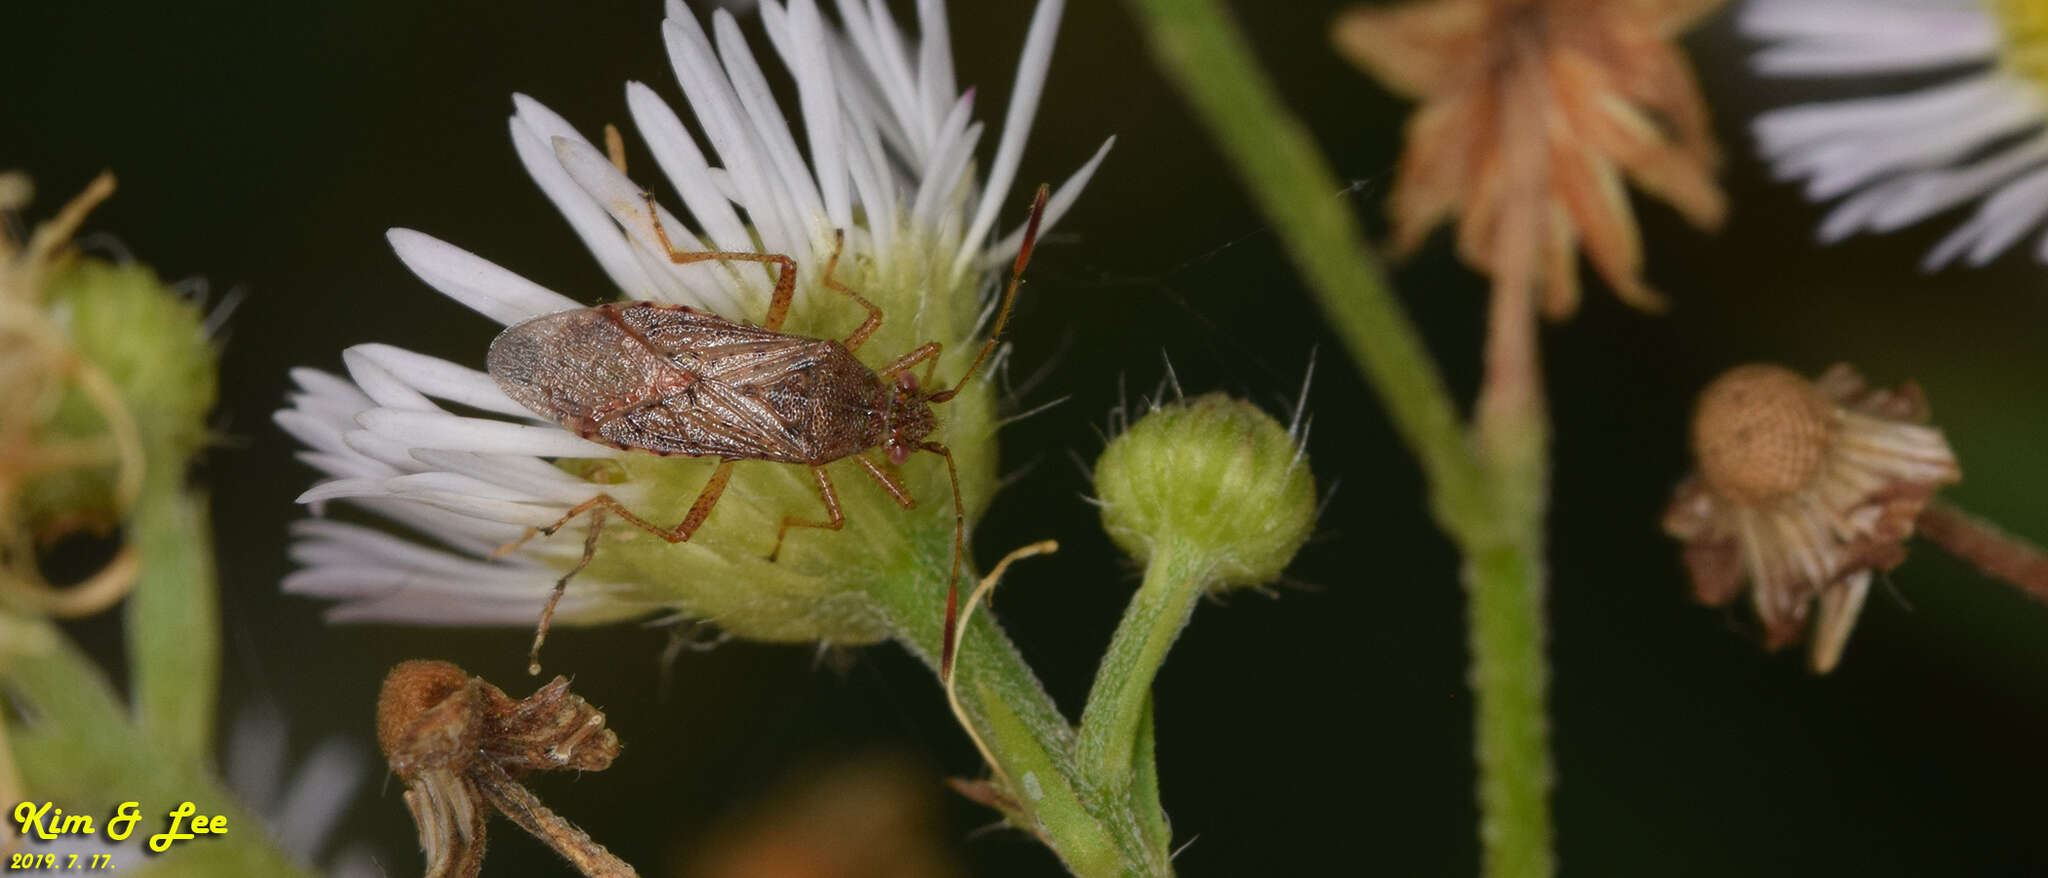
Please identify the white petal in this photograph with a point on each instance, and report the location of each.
(1780, 132)
(2001, 221)
(1056, 206)
(526, 475)
(475, 536)
(320, 792)
(534, 129)
(459, 502)
(1024, 94)
(382, 386)
(393, 452)
(809, 59)
(319, 383)
(442, 379)
(346, 466)
(457, 433)
(256, 756)
(456, 604)
(313, 432)
(1860, 36)
(799, 192)
(627, 206)
(322, 543)
(948, 174)
(680, 160)
(1858, 19)
(718, 110)
(935, 86)
(466, 485)
(474, 281)
(1940, 143)
(894, 87)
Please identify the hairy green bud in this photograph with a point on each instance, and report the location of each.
(151, 346)
(1212, 477)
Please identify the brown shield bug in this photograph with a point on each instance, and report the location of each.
(674, 380)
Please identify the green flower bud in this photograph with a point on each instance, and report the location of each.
(108, 371)
(1214, 477)
(151, 345)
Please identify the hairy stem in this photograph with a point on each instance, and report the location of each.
(1093, 830)
(173, 620)
(1997, 554)
(1122, 694)
(1487, 486)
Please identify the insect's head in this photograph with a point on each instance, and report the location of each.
(908, 418)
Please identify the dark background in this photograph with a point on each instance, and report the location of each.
(266, 147)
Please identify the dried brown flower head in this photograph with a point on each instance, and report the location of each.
(460, 743)
(1804, 489)
(1532, 111)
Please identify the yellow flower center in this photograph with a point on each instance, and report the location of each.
(2023, 28)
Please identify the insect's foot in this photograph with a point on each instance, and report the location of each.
(514, 545)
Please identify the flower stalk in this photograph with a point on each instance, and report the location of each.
(1486, 489)
(1043, 785)
(1121, 699)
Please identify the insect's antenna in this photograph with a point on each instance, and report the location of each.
(959, 548)
(1009, 296)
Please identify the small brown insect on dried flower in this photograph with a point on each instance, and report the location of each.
(673, 380)
(461, 744)
(1532, 112)
(1805, 488)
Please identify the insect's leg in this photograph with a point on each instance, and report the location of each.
(785, 278)
(927, 351)
(606, 503)
(874, 321)
(888, 483)
(701, 509)
(959, 549)
(836, 518)
(1009, 297)
(547, 614)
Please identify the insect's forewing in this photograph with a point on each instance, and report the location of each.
(578, 367)
(679, 381)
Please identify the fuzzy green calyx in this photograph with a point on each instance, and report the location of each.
(1215, 477)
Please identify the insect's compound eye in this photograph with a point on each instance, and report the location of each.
(906, 382)
(898, 454)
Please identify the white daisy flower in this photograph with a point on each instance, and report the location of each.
(1896, 159)
(886, 151)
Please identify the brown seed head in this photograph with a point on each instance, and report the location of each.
(1761, 433)
(427, 699)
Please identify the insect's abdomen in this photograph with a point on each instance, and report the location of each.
(578, 368)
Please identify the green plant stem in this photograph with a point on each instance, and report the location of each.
(1095, 831)
(173, 620)
(1504, 619)
(1122, 694)
(81, 750)
(1486, 486)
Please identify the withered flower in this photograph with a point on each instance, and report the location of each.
(460, 743)
(1532, 112)
(1805, 488)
